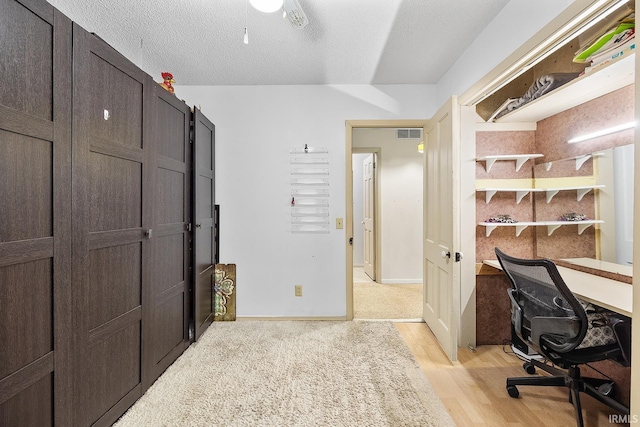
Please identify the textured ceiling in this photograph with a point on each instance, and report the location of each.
(345, 42)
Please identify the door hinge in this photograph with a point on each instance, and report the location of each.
(189, 227)
(458, 257)
(351, 241)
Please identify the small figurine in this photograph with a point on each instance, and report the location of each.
(168, 80)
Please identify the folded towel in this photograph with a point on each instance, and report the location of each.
(543, 85)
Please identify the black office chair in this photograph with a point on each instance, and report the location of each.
(554, 323)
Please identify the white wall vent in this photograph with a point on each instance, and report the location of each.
(409, 133)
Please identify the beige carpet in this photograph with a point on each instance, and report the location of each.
(373, 300)
(292, 373)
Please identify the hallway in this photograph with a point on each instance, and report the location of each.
(396, 301)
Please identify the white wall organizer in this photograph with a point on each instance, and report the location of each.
(309, 193)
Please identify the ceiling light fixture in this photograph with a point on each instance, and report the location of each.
(602, 132)
(266, 6)
(246, 19)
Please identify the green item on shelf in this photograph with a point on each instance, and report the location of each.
(603, 40)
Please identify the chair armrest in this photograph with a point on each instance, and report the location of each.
(516, 314)
(567, 327)
(622, 329)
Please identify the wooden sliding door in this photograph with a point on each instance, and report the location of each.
(112, 195)
(167, 319)
(35, 217)
(204, 214)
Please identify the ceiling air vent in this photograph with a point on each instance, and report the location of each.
(409, 133)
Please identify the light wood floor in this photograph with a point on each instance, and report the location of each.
(473, 388)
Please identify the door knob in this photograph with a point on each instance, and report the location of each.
(362, 223)
(445, 254)
(198, 225)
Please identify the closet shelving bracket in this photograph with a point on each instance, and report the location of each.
(581, 191)
(520, 159)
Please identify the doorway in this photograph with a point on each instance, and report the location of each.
(392, 290)
(366, 214)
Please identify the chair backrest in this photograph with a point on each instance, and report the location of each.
(543, 298)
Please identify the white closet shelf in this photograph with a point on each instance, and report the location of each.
(580, 160)
(582, 225)
(518, 225)
(609, 77)
(551, 225)
(581, 190)
(520, 192)
(519, 158)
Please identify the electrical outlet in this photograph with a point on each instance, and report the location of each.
(298, 290)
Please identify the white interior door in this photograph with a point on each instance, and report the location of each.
(368, 176)
(441, 226)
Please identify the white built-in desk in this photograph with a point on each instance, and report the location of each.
(603, 292)
(626, 270)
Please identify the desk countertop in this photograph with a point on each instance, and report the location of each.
(607, 293)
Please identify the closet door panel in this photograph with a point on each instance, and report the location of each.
(26, 179)
(204, 208)
(114, 286)
(112, 219)
(35, 219)
(116, 193)
(116, 103)
(27, 80)
(171, 127)
(171, 188)
(118, 357)
(25, 313)
(167, 314)
(20, 409)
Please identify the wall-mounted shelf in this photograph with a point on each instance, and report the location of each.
(520, 192)
(520, 226)
(580, 160)
(520, 159)
(582, 225)
(551, 225)
(609, 77)
(581, 191)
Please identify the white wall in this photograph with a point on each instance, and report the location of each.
(516, 23)
(256, 126)
(358, 209)
(400, 184)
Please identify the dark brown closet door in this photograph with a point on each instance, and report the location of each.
(203, 212)
(35, 217)
(111, 227)
(167, 319)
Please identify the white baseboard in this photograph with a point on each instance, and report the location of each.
(401, 281)
(330, 318)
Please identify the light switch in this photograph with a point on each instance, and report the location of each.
(339, 223)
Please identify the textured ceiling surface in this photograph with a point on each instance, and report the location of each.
(345, 42)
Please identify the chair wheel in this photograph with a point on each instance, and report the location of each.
(606, 389)
(529, 368)
(513, 391)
